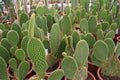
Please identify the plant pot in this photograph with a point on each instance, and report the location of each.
(93, 69)
(106, 77)
(29, 74)
(90, 75)
(118, 38)
(56, 66)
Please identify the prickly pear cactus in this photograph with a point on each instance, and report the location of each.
(81, 74)
(69, 65)
(4, 53)
(13, 63)
(5, 43)
(103, 14)
(55, 38)
(113, 26)
(100, 51)
(24, 44)
(17, 28)
(13, 49)
(92, 22)
(118, 50)
(90, 39)
(76, 37)
(3, 70)
(111, 46)
(110, 34)
(111, 67)
(23, 70)
(13, 37)
(82, 51)
(66, 25)
(56, 75)
(100, 34)
(23, 18)
(36, 52)
(31, 26)
(4, 34)
(105, 25)
(84, 25)
(20, 54)
(40, 10)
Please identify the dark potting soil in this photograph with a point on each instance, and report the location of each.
(53, 67)
(105, 77)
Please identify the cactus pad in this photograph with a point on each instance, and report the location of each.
(20, 54)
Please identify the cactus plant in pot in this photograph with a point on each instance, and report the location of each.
(75, 67)
(105, 56)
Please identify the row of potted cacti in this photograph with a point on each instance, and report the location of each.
(27, 38)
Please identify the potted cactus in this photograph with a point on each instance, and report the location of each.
(75, 67)
(105, 56)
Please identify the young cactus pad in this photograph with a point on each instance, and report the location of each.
(17, 28)
(69, 65)
(23, 18)
(3, 70)
(82, 51)
(55, 38)
(56, 75)
(31, 26)
(66, 25)
(36, 52)
(84, 25)
(23, 69)
(4, 53)
(20, 54)
(13, 37)
(100, 50)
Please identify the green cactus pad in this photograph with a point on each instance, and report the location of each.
(55, 38)
(36, 52)
(62, 46)
(76, 37)
(113, 26)
(66, 25)
(100, 34)
(2, 27)
(25, 33)
(92, 22)
(23, 69)
(118, 50)
(56, 75)
(31, 26)
(13, 37)
(84, 25)
(13, 63)
(111, 67)
(13, 49)
(100, 50)
(40, 10)
(109, 19)
(103, 14)
(69, 66)
(5, 43)
(7, 27)
(23, 18)
(90, 39)
(105, 26)
(4, 34)
(111, 46)
(49, 22)
(3, 70)
(20, 54)
(4, 53)
(46, 44)
(17, 28)
(96, 61)
(81, 53)
(110, 34)
(81, 74)
(24, 44)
